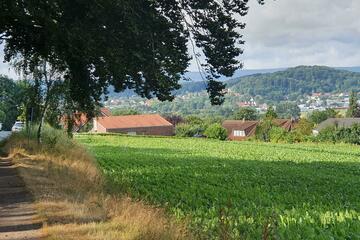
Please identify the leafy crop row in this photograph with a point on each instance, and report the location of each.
(240, 190)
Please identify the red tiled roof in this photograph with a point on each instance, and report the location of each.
(239, 124)
(133, 121)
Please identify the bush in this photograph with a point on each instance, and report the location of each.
(216, 131)
(277, 134)
(263, 130)
(304, 127)
(188, 130)
(345, 135)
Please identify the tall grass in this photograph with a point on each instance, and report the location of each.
(70, 193)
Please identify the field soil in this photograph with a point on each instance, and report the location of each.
(18, 217)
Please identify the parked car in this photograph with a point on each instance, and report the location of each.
(18, 126)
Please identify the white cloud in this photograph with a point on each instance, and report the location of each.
(286, 33)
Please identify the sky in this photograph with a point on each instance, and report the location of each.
(287, 33)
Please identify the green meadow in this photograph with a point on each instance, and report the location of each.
(239, 190)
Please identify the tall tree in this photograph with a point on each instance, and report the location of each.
(136, 44)
(354, 107)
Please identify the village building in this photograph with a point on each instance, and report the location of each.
(239, 130)
(336, 122)
(151, 124)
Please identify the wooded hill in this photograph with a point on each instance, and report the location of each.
(288, 84)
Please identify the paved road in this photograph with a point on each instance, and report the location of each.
(4, 135)
(18, 218)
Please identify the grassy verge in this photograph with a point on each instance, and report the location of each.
(70, 194)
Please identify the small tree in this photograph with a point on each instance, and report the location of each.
(216, 131)
(271, 114)
(354, 108)
(320, 116)
(304, 127)
(45, 89)
(248, 114)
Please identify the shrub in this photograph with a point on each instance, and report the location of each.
(304, 127)
(216, 131)
(263, 130)
(188, 130)
(277, 134)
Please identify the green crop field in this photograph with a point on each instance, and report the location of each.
(232, 190)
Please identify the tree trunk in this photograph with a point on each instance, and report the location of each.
(70, 125)
(41, 124)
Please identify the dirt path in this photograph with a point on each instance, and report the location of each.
(18, 219)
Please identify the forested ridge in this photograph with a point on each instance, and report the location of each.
(290, 83)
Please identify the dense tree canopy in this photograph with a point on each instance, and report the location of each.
(320, 116)
(141, 45)
(11, 99)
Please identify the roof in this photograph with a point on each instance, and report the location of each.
(239, 124)
(133, 121)
(339, 122)
(286, 124)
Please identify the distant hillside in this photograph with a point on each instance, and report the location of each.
(277, 84)
(290, 83)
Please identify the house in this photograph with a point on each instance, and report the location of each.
(152, 124)
(239, 130)
(336, 122)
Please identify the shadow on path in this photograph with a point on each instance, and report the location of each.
(18, 218)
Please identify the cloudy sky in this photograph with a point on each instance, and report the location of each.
(286, 33)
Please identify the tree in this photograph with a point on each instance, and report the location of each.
(288, 110)
(320, 116)
(45, 91)
(304, 127)
(270, 113)
(354, 107)
(216, 131)
(248, 114)
(140, 45)
(11, 99)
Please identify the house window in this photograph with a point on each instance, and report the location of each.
(239, 133)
